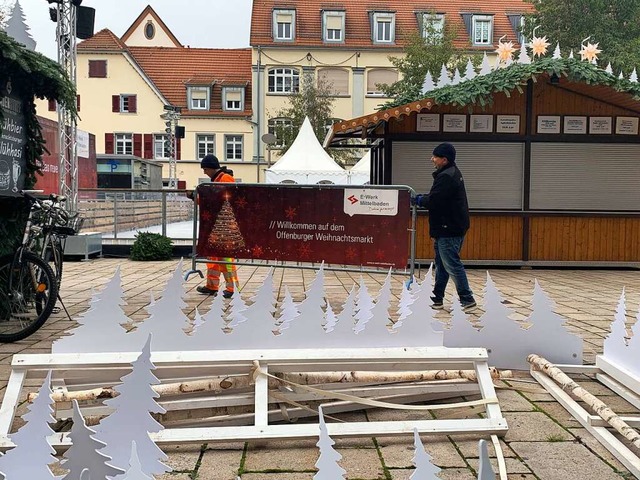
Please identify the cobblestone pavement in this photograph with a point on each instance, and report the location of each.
(543, 442)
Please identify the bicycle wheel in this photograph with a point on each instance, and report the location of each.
(28, 293)
(54, 257)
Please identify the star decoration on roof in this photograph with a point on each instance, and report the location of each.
(505, 51)
(589, 52)
(539, 46)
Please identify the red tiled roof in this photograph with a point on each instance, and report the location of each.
(308, 19)
(105, 39)
(172, 69)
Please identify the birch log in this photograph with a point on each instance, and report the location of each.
(596, 405)
(221, 384)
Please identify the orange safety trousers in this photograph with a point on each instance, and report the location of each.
(229, 270)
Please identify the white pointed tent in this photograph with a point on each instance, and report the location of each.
(306, 162)
(360, 172)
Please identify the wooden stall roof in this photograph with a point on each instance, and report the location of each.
(579, 77)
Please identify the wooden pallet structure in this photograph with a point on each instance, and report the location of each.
(78, 370)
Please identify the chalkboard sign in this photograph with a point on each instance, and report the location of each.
(12, 142)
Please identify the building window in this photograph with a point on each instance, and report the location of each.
(284, 80)
(433, 26)
(161, 146)
(284, 24)
(377, 77)
(124, 103)
(199, 98)
(482, 29)
(124, 143)
(384, 25)
(281, 128)
(97, 69)
(233, 147)
(336, 79)
(206, 145)
(233, 98)
(149, 31)
(333, 26)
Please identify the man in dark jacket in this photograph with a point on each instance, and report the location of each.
(448, 224)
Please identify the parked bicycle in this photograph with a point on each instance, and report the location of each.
(30, 278)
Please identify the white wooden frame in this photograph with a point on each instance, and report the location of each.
(593, 423)
(274, 361)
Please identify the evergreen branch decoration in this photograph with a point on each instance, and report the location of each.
(478, 90)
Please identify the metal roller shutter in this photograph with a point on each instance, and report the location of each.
(493, 172)
(581, 176)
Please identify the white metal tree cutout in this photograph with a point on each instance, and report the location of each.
(380, 312)
(615, 345)
(485, 471)
(364, 307)
(134, 471)
(264, 302)
(327, 464)
(331, 319)
(425, 470)
(132, 420)
(84, 453)
(100, 328)
(237, 310)
(210, 334)
(289, 311)
(32, 454)
(311, 307)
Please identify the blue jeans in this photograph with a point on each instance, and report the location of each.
(448, 264)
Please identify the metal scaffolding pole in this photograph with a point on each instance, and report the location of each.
(171, 116)
(67, 128)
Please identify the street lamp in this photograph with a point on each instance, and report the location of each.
(270, 139)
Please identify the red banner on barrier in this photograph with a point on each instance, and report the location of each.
(346, 226)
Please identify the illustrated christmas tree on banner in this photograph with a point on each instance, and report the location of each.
(225, 234)
(32, 454)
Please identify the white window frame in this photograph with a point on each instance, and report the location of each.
(124, 102)
(384, 17)
(281, 36)
(290, 80)
(272, 125)
(329, 36)
(437, 19)
(159, 140)
(199, 105)
(233, 107)
(208, 140)
(123, 143)
(476, 22)
(522, 40)
(236, 142)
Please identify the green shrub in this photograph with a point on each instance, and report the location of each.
(151, 246)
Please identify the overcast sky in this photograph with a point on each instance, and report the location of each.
(197, 23)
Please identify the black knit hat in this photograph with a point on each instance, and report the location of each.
(445, 150)
(210, 161)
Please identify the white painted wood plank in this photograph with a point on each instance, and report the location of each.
(485, 383)
(606, 438)
(619, 389)
(10, 400)
(262, 398)
(597, 421)
(622, 375)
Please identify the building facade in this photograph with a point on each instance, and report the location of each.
(348, 44)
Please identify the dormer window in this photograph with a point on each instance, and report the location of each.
(333, 26)
(482, 29)
(233, 98)
(199, 98)
(384, 25)
(284, 25)
(433, 26)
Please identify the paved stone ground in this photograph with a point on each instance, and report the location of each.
(544, 442)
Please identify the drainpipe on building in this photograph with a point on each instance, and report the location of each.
(257, 114)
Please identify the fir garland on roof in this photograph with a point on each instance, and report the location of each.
(479, 90)
(35, 76)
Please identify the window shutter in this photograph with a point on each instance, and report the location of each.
(233, 95)
(115, 103)
(178, 149)
(78, 102)
(52, 105)
(148, 145)
(337, 78)
(133, 103)
(137, 144)
(334, 22)
(468, 20)
(92, 69)
(97, 69)
(284, 18)
(199, 93)
(380, 76)
(108, 143)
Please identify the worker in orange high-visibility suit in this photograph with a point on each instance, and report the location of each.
(212, 169)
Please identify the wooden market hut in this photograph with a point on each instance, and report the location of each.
(550, 152)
